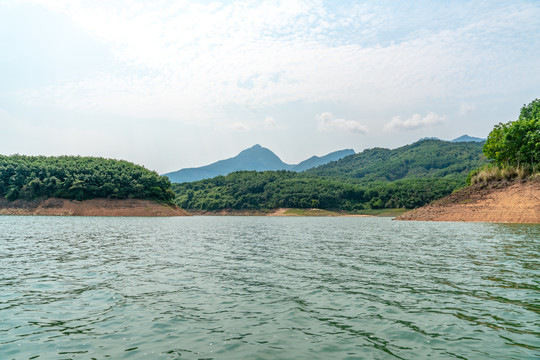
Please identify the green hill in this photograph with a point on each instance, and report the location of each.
(274, 189)
(423, 159)
(409, 177)
(79, 178)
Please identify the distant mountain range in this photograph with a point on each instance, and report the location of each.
(467, 138)
(462, 138)
(409, 176)
(428, 158)
(256, 158)
(259, 158)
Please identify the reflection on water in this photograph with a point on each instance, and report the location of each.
(267, 288)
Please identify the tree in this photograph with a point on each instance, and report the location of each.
(79, 178)
(494, 147)
(517, 142)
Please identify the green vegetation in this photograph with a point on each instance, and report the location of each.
(491, 172)
(408, 177)
(311, 212)
(79, 178)
(516, 143)
(275, 189)
(513, 148)
(369, 212)
(423, 159)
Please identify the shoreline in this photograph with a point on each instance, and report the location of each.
(295, 212)
(497, 202)
(92, 207)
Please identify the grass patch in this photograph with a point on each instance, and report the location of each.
(322, 212)
(312, 212)
(493, 173)
(382, 212)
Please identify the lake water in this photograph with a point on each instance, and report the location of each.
(267, 288)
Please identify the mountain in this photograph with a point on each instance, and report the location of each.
(256, 158)
(466, 138)
(462, 138)
(429, 138)
(409, 176)
(425, 158)
(315, 161)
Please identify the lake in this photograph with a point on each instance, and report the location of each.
(267, 288)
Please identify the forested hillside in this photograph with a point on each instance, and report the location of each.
(275, 189)
(79, 178)
(409, 177)
(425, 158)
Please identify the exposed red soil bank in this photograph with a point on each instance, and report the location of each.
(94, 207)
(503, 202)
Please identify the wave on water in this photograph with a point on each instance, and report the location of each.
(267, 288)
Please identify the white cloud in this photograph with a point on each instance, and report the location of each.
(414, 122)
(178, 58)
(328, 122)
(270, 123)
(465, 108)
(159, 65)
(238, 126)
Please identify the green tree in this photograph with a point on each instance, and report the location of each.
(80, 178)
(517, 142)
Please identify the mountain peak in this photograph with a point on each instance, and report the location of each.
(467, 138)
(256, 158)
(258, 151)
(429, 138)
(255, 147)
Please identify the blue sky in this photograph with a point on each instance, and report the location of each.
(174, 84)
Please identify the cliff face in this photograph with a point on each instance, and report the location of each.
(94, 207)
(517, 202)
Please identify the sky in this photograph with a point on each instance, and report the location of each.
(176, 84)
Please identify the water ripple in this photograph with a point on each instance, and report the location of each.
(267, 288)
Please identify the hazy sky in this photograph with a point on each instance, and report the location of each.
(174, 84)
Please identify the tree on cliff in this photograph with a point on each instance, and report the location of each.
(516, 143)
